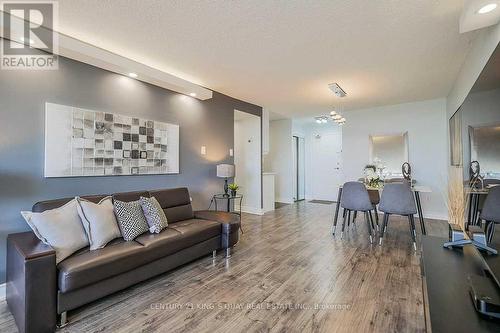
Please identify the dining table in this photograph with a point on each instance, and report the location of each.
(416, 189)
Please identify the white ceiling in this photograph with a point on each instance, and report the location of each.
(283, 54)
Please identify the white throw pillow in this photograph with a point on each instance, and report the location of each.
(99, 221)
(61, 228)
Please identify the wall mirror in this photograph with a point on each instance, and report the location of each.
(479, 122)
(390, 152)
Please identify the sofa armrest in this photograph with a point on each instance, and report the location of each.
(230, 223)
(31, 287)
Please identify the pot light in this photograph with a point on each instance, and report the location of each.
(132, 75)
(192, 94)
(487, 8)
(29, 40)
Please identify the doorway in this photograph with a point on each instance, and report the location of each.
(247, 160)
(326, 173)
(299, 179)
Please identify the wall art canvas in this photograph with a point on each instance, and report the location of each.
(81, 142)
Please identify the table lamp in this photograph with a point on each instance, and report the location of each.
(225, 171)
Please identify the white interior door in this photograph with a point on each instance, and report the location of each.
(326, 166)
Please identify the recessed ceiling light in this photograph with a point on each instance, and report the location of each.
(132, 75)
(192, 94)
(333, 113)
(29, 40)
(487, 8)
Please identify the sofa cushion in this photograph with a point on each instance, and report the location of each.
(61, 228)
(131, 219)
(87, 267)
(197, 230)
(51, 204)
(177, 236)
(176, 203)
(154, 214)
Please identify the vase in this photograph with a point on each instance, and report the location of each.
(233, 193)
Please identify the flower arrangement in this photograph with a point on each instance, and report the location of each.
(372, 179)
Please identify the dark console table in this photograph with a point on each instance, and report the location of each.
(448, 305)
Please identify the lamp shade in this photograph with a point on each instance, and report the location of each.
(225, 170)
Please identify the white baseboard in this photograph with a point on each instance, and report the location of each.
(2, 291)
(284, 200)
(250, 210)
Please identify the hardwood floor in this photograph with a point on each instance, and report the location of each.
(287, 274)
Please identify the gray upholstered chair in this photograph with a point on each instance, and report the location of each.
(375, 200)
(491, 212)
(355, 199)
(398, 199)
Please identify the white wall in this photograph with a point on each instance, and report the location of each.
(279, 159)
(247, 150)
(426, 124)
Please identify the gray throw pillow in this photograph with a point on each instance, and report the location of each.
(131, 219)
(155, 216)
(60, 228)
(99, 221)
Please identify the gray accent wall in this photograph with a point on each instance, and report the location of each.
(22, 107)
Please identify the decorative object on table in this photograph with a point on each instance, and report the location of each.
(225, 171)
(406, 170)
(475, 178)
(233, 187)
(372, 179)
(82, 142)
(456, 201)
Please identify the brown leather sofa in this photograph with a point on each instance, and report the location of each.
(39, 292)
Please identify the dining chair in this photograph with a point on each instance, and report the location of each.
(398, 199)
(375, 200)
(355, 199)
(491, 212)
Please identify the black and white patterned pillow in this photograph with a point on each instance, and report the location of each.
(130, 219)
(155, 216)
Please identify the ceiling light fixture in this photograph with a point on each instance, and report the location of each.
(333, 113)
(337, 90)
(192, 94)
(318, 121)
(487, 8)
(132, 75)
(29, 40)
